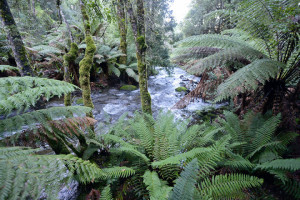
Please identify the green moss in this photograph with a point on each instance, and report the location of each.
(72, 54)
(79, 101)
(128, 87)
(181, 89)
(298, 120)
(142, 42)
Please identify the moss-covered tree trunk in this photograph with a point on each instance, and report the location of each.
(86, 63)
(69, 59)
(138, 28)
(15, 39)
(122, 30)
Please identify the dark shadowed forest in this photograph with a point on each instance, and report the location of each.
(149, 99)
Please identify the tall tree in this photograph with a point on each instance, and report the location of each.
(86, 63)
(138, 27)
(122, 29)
(15, 39)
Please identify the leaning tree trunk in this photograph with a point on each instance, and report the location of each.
(138, 27)
(123, 30)
(86, 63)
(15, 39)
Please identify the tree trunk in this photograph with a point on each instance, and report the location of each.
(69, 59)
(138, 28)
(33, 7)
(123, 30)
(86, 63)
(15, 39)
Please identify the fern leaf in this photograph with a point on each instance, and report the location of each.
(281, 164)
(186, 183)
(158, 189)
(248, 78)
(8, 67)
(106, 193)
(228, 186)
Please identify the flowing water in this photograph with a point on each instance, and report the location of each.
(110, 104)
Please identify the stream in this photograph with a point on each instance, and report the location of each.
(112, 103)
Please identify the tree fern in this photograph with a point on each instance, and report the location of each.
(228, 186)
(249, 77)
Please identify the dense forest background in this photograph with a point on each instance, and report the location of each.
(245, 146)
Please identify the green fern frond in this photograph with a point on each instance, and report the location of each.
(106, 193)
(281, 164)
(117, 172)
(236, 161)
(8, 67)
(158, 189)
(22, 92)
(115, 70)
(28, 175)
(186, 183)
(292, 188)
(33, 120)
(132, 74)
(187, 156)
(248, 78)
(228, 186)
(131, 151)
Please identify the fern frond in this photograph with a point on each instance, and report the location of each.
(186, 183)
(158, 189)
(8, 67)
(187, 156)
(248, 78)
(35, 119)
(117, 172)
(131, 151)
(292, 188)
(106, 193)
(281, 164)
(22, 92)
(28, 175)
(228, 186)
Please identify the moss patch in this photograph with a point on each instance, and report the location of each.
(181, 89)
(79, 101)
(128, 87)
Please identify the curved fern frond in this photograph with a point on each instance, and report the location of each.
(281, 164)
(35, 119)
(106, 194)
(186, 183)
(8, 67)
(158, 189)
(28, 175)
(22, 92)
(228, 186)
(248, 78)
(117, 172)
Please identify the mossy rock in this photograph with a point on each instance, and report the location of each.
(181, 89)
(129, 87)
(79, 101)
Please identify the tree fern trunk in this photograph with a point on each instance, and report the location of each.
(86, 63)
(15, 39)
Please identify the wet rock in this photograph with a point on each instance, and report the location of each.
(181, 89)
(128, 87)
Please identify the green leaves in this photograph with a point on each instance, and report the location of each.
(249, 78)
